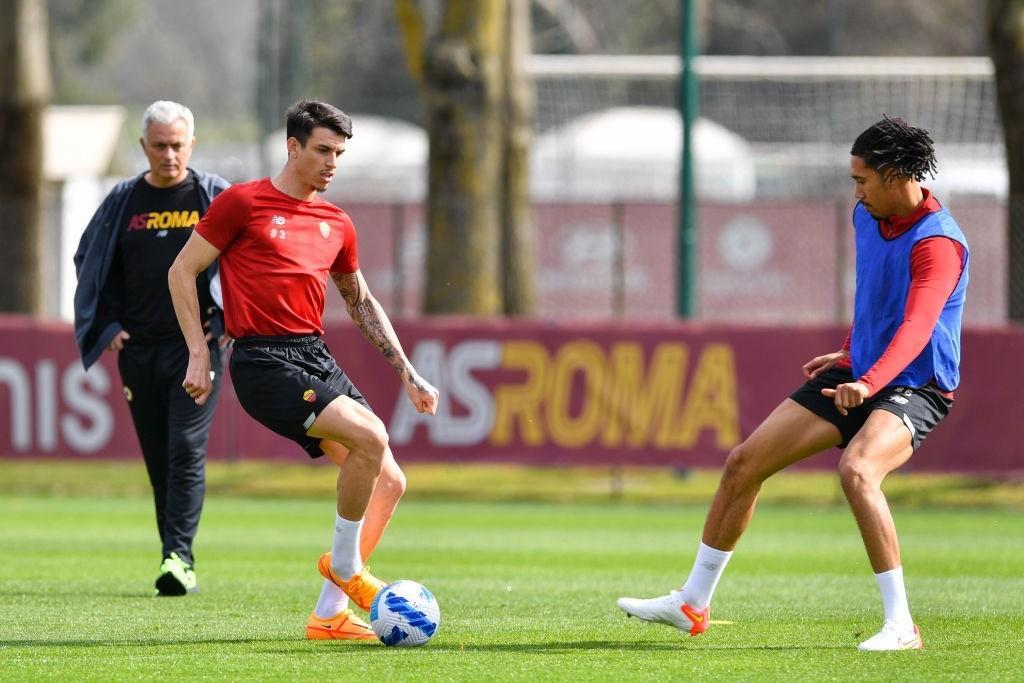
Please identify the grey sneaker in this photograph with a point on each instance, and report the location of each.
(176, 577)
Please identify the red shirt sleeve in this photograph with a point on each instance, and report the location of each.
(935, 267)
(348, 258)
(845, 362)
(226, 217)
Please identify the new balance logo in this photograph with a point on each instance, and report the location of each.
(277, 220)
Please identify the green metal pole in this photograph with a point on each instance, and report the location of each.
(686, 304)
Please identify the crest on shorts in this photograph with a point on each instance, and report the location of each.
(309, 396)
(325, 229)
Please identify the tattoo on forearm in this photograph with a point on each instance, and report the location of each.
(373, 322)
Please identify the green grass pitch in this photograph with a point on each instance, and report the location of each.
(527, 592)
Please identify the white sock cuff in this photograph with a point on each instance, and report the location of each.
(890, 574)
(708, 554)
(707, 570)
(340, 521)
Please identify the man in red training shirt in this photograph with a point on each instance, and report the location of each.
(276, 241)
(878, 397)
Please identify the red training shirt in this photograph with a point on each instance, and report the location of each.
(936, 264)
(276, 252)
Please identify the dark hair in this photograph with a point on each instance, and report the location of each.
(305, 115)
(893, 145)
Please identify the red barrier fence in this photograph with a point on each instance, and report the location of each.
(530, 392)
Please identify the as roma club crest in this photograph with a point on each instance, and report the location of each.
(309, 395)
(325, 229)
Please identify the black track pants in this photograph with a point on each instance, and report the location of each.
(172, 432)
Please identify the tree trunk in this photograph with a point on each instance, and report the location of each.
(463, 82)
(479, 108)
(24, 89)
(1006, 38)
(517, 211)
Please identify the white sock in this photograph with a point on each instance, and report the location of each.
(345, 559)
(331, 601)
(894, 598)
(707, 570)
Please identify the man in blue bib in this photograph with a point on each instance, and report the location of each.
(877, 398)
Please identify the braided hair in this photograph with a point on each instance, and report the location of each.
(894, 146)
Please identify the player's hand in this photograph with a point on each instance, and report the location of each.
(198, 378)
(846, 396)
(820, 364)
(422, 393)
(117, 343)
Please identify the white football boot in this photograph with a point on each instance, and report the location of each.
(670, 610)
(892, 637)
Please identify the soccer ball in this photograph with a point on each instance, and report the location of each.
(405, 613)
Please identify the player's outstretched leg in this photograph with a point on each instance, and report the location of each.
(330, 617)
(789, 434)
(346, 426)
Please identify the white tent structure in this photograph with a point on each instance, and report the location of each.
(78, 147)
(623, 153)
(633, 153)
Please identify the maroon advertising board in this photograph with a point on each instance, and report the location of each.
(665, 394)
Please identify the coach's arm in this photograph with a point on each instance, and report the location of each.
(194, 258)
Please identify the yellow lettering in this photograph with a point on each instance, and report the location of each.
(583, 357)
(520, 404)
(193, 219)
(711, 402)
(153, 221)
(165, 219)
(640, 408)
(179, 219)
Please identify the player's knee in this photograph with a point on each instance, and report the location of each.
(855, 475)
(739, 468)
(372, 442)
(392, 483)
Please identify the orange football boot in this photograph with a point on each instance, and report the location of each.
(361, 588)
(342, 626)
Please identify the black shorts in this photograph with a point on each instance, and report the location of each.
(284, 383)
(920, 408)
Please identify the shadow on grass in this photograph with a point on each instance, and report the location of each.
(273, 645)
(79, 593)
(142, 642)
(629, 646)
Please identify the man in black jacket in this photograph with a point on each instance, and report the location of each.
(122, 304)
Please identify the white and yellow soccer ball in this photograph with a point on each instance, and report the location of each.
(405, 613)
